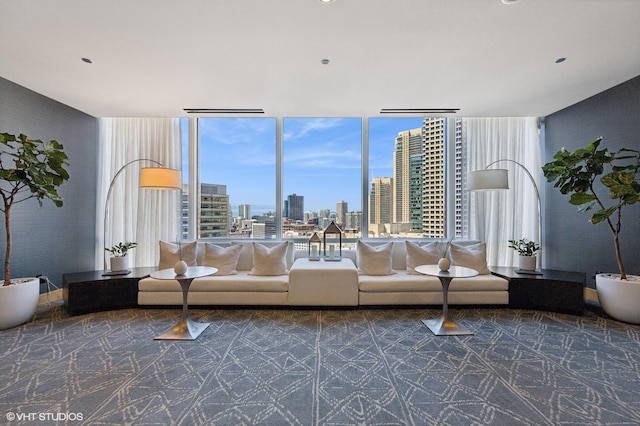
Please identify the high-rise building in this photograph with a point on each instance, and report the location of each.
(324, 213)
(244, 211)
(353, 221)
(214, 219)
(296, 207)
(434, 132)
(458, 191)
(407, 179)
(341, 212)
(380, 200)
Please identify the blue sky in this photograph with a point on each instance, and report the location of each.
(322, 158)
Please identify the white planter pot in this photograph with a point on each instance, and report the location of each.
(527, 263)
(119, 263)
(620, 299)
(18, 302)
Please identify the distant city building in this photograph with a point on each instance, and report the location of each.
(214, 219)
(341, 212)
(354, 219)
(324, 213)
(433, 190)
(244, 211)
(380, 200)
(296, 207)
(408, 179)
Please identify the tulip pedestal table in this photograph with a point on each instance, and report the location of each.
(186, 328)
(443, 325)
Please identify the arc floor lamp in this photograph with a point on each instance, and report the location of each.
(159, 177)
(498, 179)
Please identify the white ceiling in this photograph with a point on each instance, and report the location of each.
(157, 57)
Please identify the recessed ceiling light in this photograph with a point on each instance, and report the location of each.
(510, 1)
(326, 1)
(560, 60)
(325, 61)
(87, 60)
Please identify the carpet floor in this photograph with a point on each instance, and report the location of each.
(321, 367)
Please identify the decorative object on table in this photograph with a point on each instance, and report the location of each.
(498, 179)
(444, 263)
(330, 233)
(29, 168)
(180, 267)
(119, 259)
(527, 255)
(160, 177)
(577, 174)
(315, 245)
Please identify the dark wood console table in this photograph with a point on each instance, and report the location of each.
(91, 291)
(557, 291)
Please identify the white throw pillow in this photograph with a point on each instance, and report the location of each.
(223, 258)
(270, 261)
(472, 256)
(375, 260)
(170, 254)
(427, 254)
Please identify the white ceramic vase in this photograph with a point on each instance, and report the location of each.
(18, 302)
(527, 263)
(444, 264)
(620, 299)
(119, 263)
(180, 268)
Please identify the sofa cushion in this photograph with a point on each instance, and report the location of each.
(472, 256)
(270, 261)
(426, 254)
(223, 258)
(170, 254)
(375, 260)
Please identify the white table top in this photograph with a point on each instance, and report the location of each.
(192, 272)
(453, 272)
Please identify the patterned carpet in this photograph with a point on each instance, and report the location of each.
(321, 367)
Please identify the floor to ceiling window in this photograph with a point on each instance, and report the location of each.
(322, 175)
(237, 173)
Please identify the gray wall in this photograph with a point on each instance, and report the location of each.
(49, 240)
(571, 242)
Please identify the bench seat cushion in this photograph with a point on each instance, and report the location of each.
(403, 282)
(242, 282)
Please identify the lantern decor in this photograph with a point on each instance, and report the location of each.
(330, 249)
(315, 245)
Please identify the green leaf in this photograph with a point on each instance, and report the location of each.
(577, 199)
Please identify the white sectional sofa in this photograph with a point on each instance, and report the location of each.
(323, 283)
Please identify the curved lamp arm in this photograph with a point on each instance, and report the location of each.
(173, 185)
(535, 187)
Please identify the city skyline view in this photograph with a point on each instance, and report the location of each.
(321, 158)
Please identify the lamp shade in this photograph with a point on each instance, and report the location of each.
(488, 180)
(160, 178)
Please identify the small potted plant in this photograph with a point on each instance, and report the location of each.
(119, 259)
(527, 251)
(29, 169)
(585, 174)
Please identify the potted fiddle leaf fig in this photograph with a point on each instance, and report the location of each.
(29, 169)
(577, 174)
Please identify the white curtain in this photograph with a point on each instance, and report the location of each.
(498, 216)
(134, 214)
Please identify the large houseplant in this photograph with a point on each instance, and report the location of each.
(576, 173)
(29, 168)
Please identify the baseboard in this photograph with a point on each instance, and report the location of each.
(591, 294)
(49, 297)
